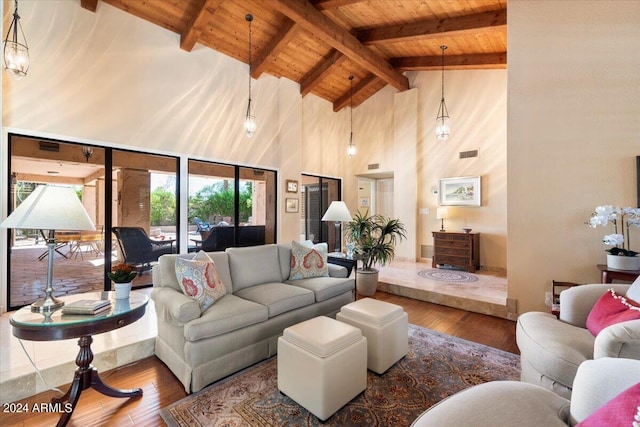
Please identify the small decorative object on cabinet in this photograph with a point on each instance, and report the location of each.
(457, 250)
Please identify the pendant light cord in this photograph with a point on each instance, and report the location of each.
(351, 109)
(443, 49)
(249, 19)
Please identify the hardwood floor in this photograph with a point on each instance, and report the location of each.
(160, 387)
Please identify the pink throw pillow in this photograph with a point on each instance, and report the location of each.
(610, 309)
(622, 410)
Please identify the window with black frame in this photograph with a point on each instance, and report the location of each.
(230, 206)
(316, 195)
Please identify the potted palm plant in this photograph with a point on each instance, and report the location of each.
(375, 238)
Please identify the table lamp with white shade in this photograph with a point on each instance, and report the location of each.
(337, 212)
(441, 214)
(50, 208)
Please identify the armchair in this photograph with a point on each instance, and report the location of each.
(600, 385)
(551, 349)
(138, 249)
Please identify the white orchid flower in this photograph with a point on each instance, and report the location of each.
(613, 239)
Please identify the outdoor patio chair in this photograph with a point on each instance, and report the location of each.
(138, 249)
(201, 225)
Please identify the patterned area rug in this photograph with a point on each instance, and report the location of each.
(436, 366)
(450, 276)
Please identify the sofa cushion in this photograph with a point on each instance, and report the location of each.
(278, 297)
(325, 288)
(610, 309)
(199, 280)
(308, 261)
(253, 265)
(622, 410)
(228, 314)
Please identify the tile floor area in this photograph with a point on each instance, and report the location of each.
(56, 360)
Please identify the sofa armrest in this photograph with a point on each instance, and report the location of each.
(577, 302)
(619, 340)
(337, 271)
(174, 307)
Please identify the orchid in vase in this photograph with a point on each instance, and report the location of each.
(622, 219)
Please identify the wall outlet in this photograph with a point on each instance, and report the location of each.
(424, 211)
(548, 299)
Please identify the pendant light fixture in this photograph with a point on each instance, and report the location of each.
(443, 128)
(351, 150)
(249, 119)
(87, 152)
(16, 53)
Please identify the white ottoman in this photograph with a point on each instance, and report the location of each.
(322, 364)
(386, 327)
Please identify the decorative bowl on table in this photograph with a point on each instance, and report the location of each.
(466, 230)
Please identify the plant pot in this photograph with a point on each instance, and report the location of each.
(122, 290)
(366, 282)
(623, 262)
(122, 305)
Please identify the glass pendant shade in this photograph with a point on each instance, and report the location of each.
(249, 122)
(443, 128)
(351, 149)
(16, 52)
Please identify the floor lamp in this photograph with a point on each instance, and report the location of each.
(337, 212)
(50, 208)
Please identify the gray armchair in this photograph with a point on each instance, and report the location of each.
(551, 349)
(513, 403)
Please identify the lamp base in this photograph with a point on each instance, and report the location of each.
(49, 304)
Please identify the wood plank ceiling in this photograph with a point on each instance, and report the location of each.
(319, 43)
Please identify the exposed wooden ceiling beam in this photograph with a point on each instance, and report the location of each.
(334, 4)
(314, 77)
(362, 86)
(192, 32)
(327, 31)
(434, 28)
(458, 62)
(98, 174)
(91, 5)
(275, 46)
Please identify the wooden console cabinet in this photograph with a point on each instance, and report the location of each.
(457, 250)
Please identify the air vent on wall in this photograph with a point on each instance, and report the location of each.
(373, 166)
(468, 154)
(49, 146)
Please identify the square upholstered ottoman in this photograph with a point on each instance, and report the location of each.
(322, 364)
(386, 327)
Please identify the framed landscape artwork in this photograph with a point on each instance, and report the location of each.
(461, 191)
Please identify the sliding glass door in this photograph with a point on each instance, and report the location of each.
(317, 193)
(144, 210)
(230, 206)
(78, 264)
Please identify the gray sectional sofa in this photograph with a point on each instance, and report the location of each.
(242, 327)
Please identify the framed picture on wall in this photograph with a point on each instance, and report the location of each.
(291, 205)
(460, 191)
(292, 186)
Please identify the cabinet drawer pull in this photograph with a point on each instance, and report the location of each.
(120, 322)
